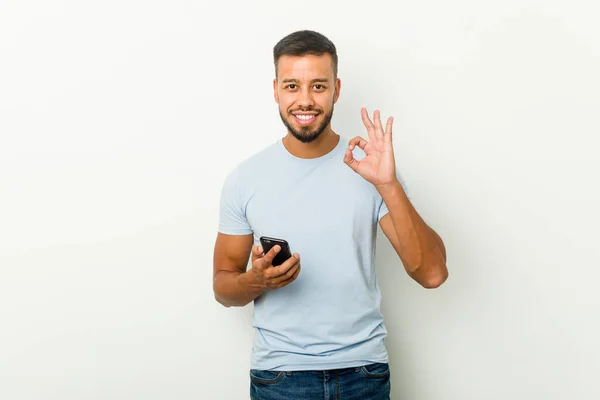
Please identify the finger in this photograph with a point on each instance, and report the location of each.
(357, 141)
(268, 258)
(283, 268)
(284, 277)
(257, 252)
(367, 122)
(388, 128)
(291, 273)
(377, 121)
(350, 161)
(291, 279)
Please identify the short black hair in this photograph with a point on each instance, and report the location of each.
(305, 42)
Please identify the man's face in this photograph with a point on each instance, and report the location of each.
(306, 91)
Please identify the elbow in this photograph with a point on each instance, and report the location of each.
(225, 301)
(228, 304)
(429, 275)
(435, 280)
(218, 297)
(223, 295)
(221, 301)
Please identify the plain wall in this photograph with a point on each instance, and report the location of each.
(119, 121)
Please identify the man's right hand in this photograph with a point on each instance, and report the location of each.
(264, 275)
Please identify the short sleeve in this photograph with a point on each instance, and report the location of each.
(232, 208)
(383, 210)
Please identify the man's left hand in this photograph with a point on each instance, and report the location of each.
(378, 166)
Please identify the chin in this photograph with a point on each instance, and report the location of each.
(306, 137)
(304, 133)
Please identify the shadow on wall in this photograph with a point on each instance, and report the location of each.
(415, 319)
(396, 288)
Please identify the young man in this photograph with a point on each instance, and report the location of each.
(319, 330)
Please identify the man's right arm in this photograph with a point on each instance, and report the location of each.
(231, 282)
(233, 285)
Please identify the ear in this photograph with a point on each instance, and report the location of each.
(275, 93)
(338, 87)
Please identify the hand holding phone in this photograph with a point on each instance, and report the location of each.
(272, 269)
(268, 243)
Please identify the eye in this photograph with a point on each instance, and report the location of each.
(319, 87)
(291, 86)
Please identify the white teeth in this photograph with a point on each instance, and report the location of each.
(304, 117)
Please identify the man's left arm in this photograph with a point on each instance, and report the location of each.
(420, 248)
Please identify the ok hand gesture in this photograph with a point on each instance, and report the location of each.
(378, 166)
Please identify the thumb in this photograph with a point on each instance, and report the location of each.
(257, 252)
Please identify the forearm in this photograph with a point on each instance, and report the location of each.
(418, 246)
(235, 288)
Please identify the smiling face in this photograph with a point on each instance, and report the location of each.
(306, 90)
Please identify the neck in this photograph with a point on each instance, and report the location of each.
(317, 148)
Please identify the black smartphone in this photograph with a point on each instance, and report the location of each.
(284, 254)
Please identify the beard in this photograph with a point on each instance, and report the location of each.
(307, 134)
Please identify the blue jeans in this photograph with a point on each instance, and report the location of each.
(369, 382)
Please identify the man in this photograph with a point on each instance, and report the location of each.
(319, 330)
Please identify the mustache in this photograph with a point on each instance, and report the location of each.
(306, 110)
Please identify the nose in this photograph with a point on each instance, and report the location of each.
(305, 98)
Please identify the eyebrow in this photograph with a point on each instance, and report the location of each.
(320, 80)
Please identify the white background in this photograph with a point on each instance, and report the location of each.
(120, 119)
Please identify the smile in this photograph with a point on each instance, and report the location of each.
(305, 119)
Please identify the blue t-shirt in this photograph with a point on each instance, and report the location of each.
(329, 317)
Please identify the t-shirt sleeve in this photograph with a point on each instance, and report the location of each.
(232, 208)
(383, 210)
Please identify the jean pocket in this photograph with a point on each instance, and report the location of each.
(266, 377)
(375, 371)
